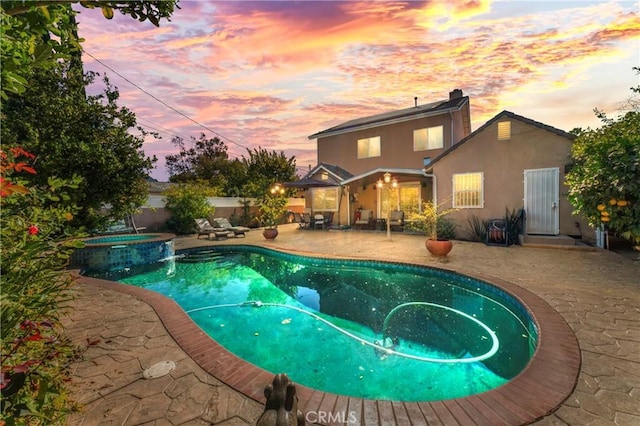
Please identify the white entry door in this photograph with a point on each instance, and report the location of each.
(541, 200)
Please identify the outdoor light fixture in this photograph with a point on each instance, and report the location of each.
(277, 189)
(387, 180)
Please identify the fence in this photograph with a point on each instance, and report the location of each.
(153, 215)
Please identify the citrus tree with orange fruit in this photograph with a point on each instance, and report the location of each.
(604, 184)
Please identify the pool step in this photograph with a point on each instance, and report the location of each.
(203, 256)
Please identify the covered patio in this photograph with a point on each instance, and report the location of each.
(344, 197)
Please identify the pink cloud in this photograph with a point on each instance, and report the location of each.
(270, 73)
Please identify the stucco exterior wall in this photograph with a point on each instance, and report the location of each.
(396, 144)
(503, 164)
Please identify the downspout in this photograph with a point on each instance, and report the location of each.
(435, 185)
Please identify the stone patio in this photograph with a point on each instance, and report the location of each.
(597, 293)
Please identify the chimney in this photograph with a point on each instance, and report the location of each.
(455, 94)
(415, 99)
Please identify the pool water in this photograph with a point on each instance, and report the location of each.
(323, 321)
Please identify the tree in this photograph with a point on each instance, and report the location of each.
(604, 183)
(27, 26)
(206, 159)
(265, 168)
(74, 135)
(35, 225)
(188, 202)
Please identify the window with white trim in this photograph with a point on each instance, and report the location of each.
(324, 199)
(369, 147)
(429, 138)
(406, 198)
(504, 130)
(468, 190)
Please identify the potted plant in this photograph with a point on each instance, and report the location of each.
(272, 209)
(438, 228)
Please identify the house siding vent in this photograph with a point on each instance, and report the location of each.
(504, 130)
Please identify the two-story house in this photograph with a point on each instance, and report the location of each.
(354, 155)
(511, 162)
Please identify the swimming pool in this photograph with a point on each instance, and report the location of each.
(289, 313)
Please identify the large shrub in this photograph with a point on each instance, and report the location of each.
(36, 245)
(604, 184)
(187, 202)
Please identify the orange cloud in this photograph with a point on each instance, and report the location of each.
(270, 73)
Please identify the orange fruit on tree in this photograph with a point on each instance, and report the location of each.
(605, 218)
(622, 203)
(601, 207)
(613, 201)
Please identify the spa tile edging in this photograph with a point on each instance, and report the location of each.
(545, 383)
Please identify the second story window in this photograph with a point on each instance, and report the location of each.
(369, 147)
(429, 138)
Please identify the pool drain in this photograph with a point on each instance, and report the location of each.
(158, 370)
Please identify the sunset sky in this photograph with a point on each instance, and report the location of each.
(270, 74)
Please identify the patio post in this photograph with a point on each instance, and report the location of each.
(389, 183)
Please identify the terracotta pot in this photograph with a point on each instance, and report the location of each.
(270, 233)
(438, 248)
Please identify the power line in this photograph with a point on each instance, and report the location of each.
(302, 168)
(162, 102)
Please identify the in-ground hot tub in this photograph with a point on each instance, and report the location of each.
(118, 252)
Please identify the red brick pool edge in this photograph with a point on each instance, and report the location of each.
(547, 381)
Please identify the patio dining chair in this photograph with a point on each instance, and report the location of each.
(306, 220)
(396, 219)
(365, 220)
(318, 221)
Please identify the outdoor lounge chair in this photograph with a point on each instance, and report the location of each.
(205, 228)
(396, 219)
(365, 220)
(224, 223)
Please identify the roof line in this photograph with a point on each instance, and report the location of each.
(373, 124)
(383, 169)
(504, 113)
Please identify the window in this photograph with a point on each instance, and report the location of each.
(324, 176)
(325, 199)
(468, 190)
(504, 130)
(369, 147)
(430, 138)
(405, 198)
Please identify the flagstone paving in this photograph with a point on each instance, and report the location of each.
(597, 293)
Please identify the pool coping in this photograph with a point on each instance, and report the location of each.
(157, 236)
(545, 383)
